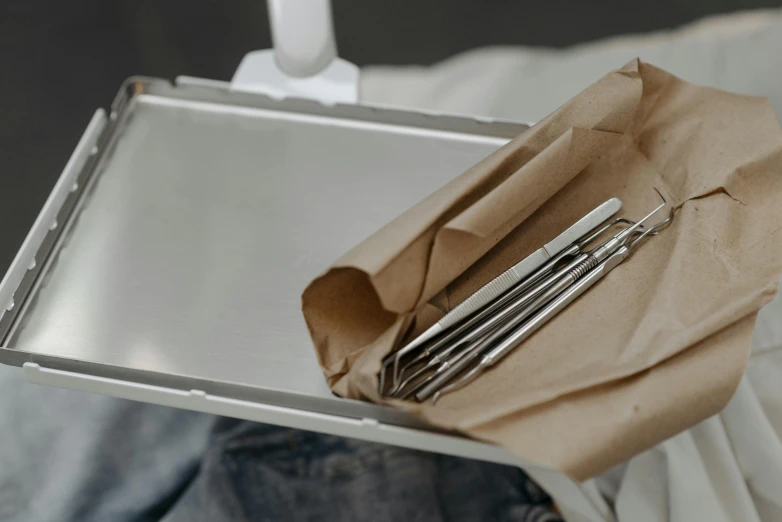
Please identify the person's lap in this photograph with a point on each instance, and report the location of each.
(71, 456)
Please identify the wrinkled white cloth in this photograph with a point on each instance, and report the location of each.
(729, 467)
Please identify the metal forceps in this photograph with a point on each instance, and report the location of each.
(516, 305)
(527, 271)
(477, 328)
(495, 346)
(437, 354)
(533, 265)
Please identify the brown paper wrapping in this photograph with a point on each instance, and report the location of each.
(655, 347)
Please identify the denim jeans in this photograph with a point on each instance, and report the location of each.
(73, 457)
(258, 472)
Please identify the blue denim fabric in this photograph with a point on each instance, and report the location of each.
(255, 472)
(74, 457)
(67, 456)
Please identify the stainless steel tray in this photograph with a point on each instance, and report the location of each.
(168, 262)
(172, 254)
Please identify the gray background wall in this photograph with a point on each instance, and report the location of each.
(61, 59)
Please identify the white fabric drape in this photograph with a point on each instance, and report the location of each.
(729, 467)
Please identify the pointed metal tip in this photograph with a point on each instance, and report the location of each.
(383, 369)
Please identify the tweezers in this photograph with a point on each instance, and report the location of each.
(544, 307)
(541, 260)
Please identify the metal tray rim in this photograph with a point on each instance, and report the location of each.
(83, 168)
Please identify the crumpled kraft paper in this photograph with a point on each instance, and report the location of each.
(656, 346)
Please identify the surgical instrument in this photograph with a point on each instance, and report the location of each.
(515, 305)
(506, 307)
(548, 312)
(443, 345)
(551, 252)
(567, 284)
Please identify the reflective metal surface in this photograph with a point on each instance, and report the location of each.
(191, 250)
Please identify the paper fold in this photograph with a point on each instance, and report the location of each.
(683, 304)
